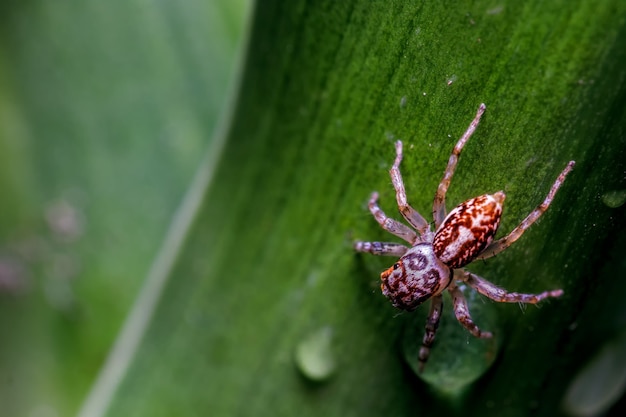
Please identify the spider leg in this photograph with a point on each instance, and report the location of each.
(389, 224)
(439, 205)
(503, 243)
(500, 295)
(409, 213)
(432, 323)
(461, 311)
(381, 248)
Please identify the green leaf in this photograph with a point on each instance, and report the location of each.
(259, 262)
(267, 262)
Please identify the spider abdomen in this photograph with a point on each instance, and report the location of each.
(415, 277)
(468, 229)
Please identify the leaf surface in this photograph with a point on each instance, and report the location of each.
(267, 263)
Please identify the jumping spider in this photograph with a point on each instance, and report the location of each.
(435, 260)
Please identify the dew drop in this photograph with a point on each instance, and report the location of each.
(314, 356)
(614, 199)
(600, 383)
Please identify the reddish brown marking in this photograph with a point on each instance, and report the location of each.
(481, 217)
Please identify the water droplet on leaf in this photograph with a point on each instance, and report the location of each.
(600, 383)
(614, 199)
(314, 356)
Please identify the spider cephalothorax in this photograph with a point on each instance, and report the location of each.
(415, 277)
(435, 260)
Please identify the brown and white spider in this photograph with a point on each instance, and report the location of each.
(435, 260)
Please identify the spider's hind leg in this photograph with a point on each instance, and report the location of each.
(461, 311)
(500, 295)
(501, 244)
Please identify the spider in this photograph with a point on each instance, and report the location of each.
(435, 261)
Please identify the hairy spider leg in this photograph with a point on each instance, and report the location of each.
(387, 223)
(501, 244)
(390, 225)
(439, 204)
(432, 323)
(461, 311)
(381, 248)
(500, 295)
(411, 215)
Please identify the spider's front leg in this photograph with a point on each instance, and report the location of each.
(439, 205)
(432, 323)
(389, 224)
(381, 248)
(409, 213)
(500, 295)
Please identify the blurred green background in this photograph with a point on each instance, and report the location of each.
(106, 111)
(182, 182)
